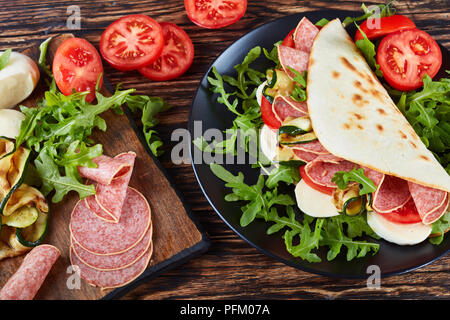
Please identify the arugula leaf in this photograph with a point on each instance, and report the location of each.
(342, 179)
(308, 241)
(287, 174)
(298, 94)
(53, 180)
(440, 227)
(273, 54)
(4, 58)
(150, 106)
(386, 10)
(367, 48)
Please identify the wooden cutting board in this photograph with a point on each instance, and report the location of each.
(176, 235)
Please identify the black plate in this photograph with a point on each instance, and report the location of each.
(392, 259)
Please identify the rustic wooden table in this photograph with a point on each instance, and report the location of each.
(231, 268)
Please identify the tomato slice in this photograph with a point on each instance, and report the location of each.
(406, 56)
(267, 115)
(312, 184)
(406, 214)
(289, 40)
(176, 57)
(386, 26)
(214, 14)
(77, 66)
(132, 42)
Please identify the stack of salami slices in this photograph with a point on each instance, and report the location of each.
(111, 231)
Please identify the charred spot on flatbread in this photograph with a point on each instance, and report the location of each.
(379, 127)
(381, 111)
(335, 74)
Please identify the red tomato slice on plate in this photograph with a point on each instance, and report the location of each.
(214, 14)
(312, 184)
(77, 66)
(176, 57)
(289, 40)
(406, 56)
(386, 26)
(406, 214)
(267, 115)
(132, 42)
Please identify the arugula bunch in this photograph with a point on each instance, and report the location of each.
(264, 202)
(244, 106)
(58, 131)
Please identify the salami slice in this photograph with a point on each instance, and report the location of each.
(293, 58)
(27, 280)
(112, 278)
(111, 197)
(392, 194)
(305, 156)
(107, 169)
(304, 35)
(430, 203)
(313, 147)
(104, 238)
(95, 208)
(284, 107)
(116, 261)
(322, 169)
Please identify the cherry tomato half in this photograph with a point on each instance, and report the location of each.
(312, 184)
(214, 14)
(267, 115)
(406, 214)
(406, 56)
(132, 42)
(176, 57)
(384, 26)
(77, 66)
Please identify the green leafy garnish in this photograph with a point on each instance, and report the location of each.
(428, 111)
(386, 10)
(439, 228)
(4, 58)
(299, 92)
(367, 49)
(342, 179)
(150, 106)
(42, 57)
(273, 54)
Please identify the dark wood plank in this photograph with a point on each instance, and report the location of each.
(231, 268)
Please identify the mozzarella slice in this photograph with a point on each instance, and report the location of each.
(259, 92)
(402, 234)
(314, 203)
(268, 142)
(17, 80)
(10, 121)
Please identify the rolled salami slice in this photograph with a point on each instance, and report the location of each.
(111, 197)
(116, 261)
(322, 169)
(284, 107)
(30, 276)
(93, 205)
(304, 35)
(392, 193)
(107, 169)
(430, 203)
(104, 238)
(293, 58)
(112, 278)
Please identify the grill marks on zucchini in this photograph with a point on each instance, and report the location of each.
(296, 131)
(278, 83)
(23, 209)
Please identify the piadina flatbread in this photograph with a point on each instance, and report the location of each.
(355, 119)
